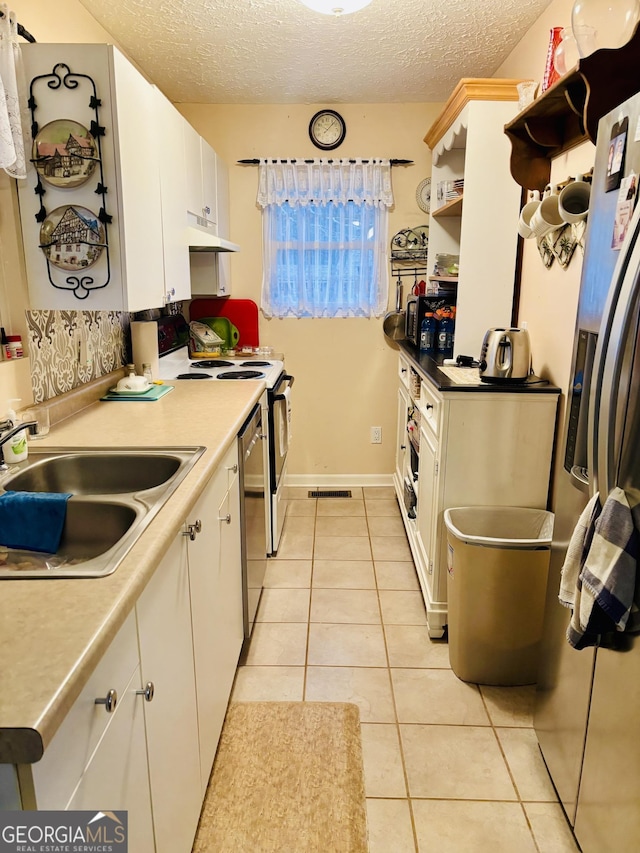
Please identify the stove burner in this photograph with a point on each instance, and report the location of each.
(255, 364)
(211, 362)
(194, 376)
(241, 374)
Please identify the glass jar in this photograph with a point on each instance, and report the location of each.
(566, 54)
(603, 23)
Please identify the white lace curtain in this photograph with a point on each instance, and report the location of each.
(325, 236)
(321, 181)
(14, 142)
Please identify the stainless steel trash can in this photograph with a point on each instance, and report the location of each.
(498, 562)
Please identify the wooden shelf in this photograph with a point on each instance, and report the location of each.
(450, 208)
(569, 111)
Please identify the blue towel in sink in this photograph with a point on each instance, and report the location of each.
(32, 521)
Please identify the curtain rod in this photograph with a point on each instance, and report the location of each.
(256, 162)
(22, 32)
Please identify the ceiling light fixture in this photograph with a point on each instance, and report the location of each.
(336, 7)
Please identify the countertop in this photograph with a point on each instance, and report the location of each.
(54, 632)
(430, 370)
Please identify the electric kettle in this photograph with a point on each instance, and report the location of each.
(505, 355)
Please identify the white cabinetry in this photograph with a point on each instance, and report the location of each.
(129, 274)
(98, 757)
(202, 202)
(477, 448)
(166, 655)
(216, 602)
(173, 189)
(468, 141)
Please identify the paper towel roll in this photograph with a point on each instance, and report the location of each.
(144, 345)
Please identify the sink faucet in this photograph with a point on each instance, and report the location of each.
(31, 426)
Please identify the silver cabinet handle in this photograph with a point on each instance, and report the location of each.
(233, 468)
(109, 701)
(226, 518)
(193, 530)
(148, 692)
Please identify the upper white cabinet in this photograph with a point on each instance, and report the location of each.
(173, 190)
(119, 177)
(97, 138)
(468, 141)
(201, 180)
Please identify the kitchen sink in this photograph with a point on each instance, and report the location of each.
(101, 473)
(115, 494)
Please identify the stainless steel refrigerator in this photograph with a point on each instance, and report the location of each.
(587, 715)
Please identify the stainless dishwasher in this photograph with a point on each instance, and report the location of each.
(253, 458)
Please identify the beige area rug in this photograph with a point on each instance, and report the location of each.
(287, 778)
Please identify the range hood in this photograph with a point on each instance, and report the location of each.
(201, 240)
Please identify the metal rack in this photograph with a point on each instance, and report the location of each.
(409, 252)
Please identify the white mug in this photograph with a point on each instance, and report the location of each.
(547, 217)
(573, 201)
(524, 222)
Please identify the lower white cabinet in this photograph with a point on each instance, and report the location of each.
(148, 744)
(166, 655)
(476, 448)
(216, 603)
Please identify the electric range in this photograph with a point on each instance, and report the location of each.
(178, 365)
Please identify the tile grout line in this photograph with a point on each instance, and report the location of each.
(393, 697)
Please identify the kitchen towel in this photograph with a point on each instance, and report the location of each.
(144, 345)
(32, 521)
(604, 598)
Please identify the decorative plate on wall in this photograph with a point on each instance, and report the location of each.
(72, 237)
(423, 195)
(64, 153)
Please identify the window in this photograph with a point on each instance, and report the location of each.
(325, 234)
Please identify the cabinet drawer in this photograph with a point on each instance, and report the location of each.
(65, 759)
(430, 407)
(403, 372)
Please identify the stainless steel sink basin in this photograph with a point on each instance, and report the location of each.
(115, 494)
(102, 473)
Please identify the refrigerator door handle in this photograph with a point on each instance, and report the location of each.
(607, 368)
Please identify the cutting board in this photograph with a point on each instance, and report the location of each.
(243, 313)
(149, 396)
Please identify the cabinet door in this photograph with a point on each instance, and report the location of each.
(402, 439)
(216, 603)
(166, 654)
(209, 183)
(427, 509)
(193, 166)
(173, 189)
(138, 168)
(117, 776)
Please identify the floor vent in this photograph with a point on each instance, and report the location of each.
(336, 493)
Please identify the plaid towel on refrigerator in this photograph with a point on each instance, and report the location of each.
(605, 586)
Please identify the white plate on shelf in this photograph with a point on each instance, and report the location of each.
(128, 392)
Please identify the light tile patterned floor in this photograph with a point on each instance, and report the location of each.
(449, 767)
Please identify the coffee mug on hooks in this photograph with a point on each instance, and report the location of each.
(524, 222)
(573, 201)
(547, 217)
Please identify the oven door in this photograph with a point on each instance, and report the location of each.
(279, 438)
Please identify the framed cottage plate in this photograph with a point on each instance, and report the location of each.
(72, 237)
(64, 153)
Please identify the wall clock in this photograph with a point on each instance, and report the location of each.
(327, 130)
(423, 195)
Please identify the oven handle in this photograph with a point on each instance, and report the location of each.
(285, 378)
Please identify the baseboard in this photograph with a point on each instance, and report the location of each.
(335, 480)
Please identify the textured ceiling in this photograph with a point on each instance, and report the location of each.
(279, 51)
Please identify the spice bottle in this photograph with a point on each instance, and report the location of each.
(13, 347)
(146, 372)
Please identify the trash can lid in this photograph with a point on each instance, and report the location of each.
(500, 526)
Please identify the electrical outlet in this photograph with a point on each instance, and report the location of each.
(376, 435)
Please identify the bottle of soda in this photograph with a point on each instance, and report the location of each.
(428, 332)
